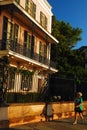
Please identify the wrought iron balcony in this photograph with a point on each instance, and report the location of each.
(20, 49)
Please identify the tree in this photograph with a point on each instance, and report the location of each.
(65, 33)
(69, 61)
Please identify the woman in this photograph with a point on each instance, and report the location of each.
(78, 107)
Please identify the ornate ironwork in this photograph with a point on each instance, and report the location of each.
(20, 49)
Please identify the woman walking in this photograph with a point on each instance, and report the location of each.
(78, 107)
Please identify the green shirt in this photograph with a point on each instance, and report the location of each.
(79, 101)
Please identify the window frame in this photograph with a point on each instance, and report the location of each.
(18, 1)
(30, 7)
(27, 40)
(43, 20)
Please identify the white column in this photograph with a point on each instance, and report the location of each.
(17, 84)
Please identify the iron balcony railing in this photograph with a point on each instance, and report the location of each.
(20, 49)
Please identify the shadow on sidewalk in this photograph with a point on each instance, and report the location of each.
(63, 122)
(70, 121)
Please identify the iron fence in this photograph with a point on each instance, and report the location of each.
(20, 49)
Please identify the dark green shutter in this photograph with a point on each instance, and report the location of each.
(4, 35)
(25, 38)
(32, 46)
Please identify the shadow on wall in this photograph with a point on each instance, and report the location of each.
(47, 111)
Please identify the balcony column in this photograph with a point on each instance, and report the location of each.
(35, 82)
(49, 51)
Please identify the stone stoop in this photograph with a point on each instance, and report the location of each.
(4, 124)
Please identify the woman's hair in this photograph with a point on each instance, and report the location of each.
(79, 93)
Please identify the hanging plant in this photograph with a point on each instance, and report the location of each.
(12, 69)
(18, 70)
(26, 72)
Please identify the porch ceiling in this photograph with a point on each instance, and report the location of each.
(29, 63)
(19, 60)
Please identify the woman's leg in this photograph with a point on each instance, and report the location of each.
(76, 118)
(81, 115)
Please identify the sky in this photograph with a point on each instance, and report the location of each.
(73, 12)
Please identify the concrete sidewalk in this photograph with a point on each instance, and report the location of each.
(63, 124)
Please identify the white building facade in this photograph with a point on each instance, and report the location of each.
(25, 41)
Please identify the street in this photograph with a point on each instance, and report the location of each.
(62, 124)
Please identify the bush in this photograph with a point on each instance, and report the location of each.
(23, 98)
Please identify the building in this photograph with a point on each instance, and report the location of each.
(25, 41)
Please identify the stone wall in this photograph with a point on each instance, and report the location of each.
(27, 113)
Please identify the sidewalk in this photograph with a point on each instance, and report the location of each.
(63, 124)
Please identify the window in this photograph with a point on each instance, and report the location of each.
(10, 28)
(10, 32)
(30, 7)
(27, 43)
(18, 1)
(42, 52)
(26, 83)
(27, 40)
(16, 28)
(43, 20)
(45, 51)
(42, 49)
(11, 79)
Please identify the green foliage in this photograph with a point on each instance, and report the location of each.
(23, 97)
(65, 33)
(69, 61)
(26, 72)
(22, 71)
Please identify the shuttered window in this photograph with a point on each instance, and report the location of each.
(30, 7)
(43, 20)
(27, 40)
(16, 29)
(18, 1)
(4, 35)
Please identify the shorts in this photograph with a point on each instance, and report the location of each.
(78, 110)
